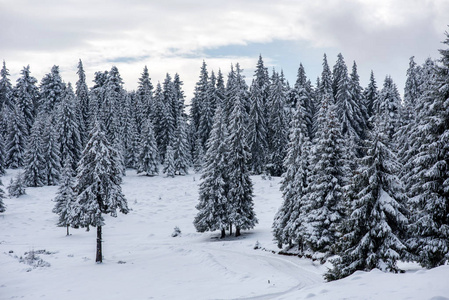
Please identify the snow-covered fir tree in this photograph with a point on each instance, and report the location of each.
(67, 123)
(65, 199)
(370, 95)
(373, 235)
(214, 203)
(2, 156)
(288, 220)
(6, 97)
(144, 95)
(34, 161)
(2, 196)
(388, 105)
(181, 149)
(16, 187)
(26, 96)
(131, 132)
(148, 156)
(83, 103)
(257, 127)
(52, 91)
(98, 185)
(198, 156)
(169, 164)
(241, 208)
(323, 205)
(51, 151)
(429, 228)
(277, 127)
(15, 139)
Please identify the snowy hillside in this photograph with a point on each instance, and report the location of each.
(143, 261)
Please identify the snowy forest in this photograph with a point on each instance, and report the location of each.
(364, 172)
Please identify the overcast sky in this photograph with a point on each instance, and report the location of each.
(175, 36)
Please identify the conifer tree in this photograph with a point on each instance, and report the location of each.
(181, 154)
(131, 133)
(2, 196)
(82, 99)
(257, 128)
(65, 199)
(158, 112)
(15, 139)
(388, 104)
(169, 164)
(323, 204)
(16, 187)
(26, 96)
(371, 94)
(214, 203)
(278, 127)
(34, 164)
(6, 97)
(429, 228)
(2, 156)
(287, 221)
(201, 112)
(302, 93)
(241, 211)
(148, 157)
(52, 91)
(373, 234)
(144, 99)
(69, 129)
(51, 148)
(198, 155)
(98, 185)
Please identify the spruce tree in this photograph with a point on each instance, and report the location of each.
(241, 211)
(144, 96)
(16, 187)
(65, 199)
(373, 234)
(181, 145)
(34, 163)
(214, 203)
(370, 95)
(82, 99)
(323, 202)
(52, 91)
(98, 185)
(257, 128)
(15, 139)
(26, 96)
(288, 219)
(2, 156)
(388, 104)
(6, 97)
(148, 157)
(51, 152)
(69, 129)
(277, 128)
(169, 164)
(2, 196)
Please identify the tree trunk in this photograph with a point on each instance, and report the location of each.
(68, 230)
(99, 258)
(230, 229)
(237, 231)
(223, 233)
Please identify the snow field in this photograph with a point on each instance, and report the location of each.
(143, 261)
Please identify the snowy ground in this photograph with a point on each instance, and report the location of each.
(143, 261)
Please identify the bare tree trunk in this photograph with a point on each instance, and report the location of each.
(230, 229)
(68, 230)
(223, 233)
(237, 231)
(99, 258)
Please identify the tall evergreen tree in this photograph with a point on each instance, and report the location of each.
(15, 139)
(323, 204)
(257, 128)
(148, 156)
(144, 99)
(6, 99)
(65, 199)
(373, 235)
(241, 211)
(26, 96)
(371, 94)
(389, 106)
(181, 146)
(214, 203)
(82, 99)
(169, 164)
(51, 151)
(69, 129)
(52, 90)
(288, 219)
(2, 196)
(34, 163)
(98, 185)
(278, 127)
(429, 226)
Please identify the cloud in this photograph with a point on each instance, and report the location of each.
(177, 35)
